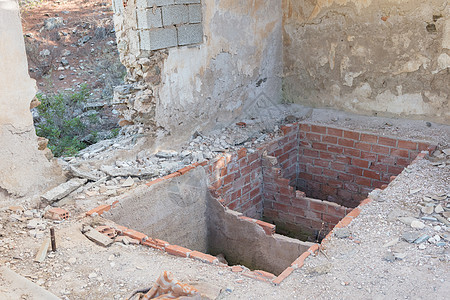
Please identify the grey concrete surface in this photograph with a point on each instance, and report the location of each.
(15, 286)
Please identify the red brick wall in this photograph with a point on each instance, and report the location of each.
(343, 166)
(338, 165)
(237, 180)
(292, 212)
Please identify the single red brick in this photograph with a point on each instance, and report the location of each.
(329, 173)
(318, 205)
(99, 210)
(178, 250)
(422, 146)
(286, 129)
(334, 131)
(395, 170)
(400, 152)
(318, 129)
(299, 262)
(344, 222)
(352, 152)
(371, 174)
(354, 170)
(135, 235)
(360, 163)
(264, 274)
(237, 269)
(338, 166)
(365, 202)
(321, 163)
(185, 170)
(319, 146)
(363, 181)
(369, 156)
(57, 213)
(283, 275)
(387, 141)
(346, 142)
(351, 135)
(154, 182)
(335, 149)
(345, 177)
(173, 175)
(329, 139)
(354, 213)
(203, 257)
(380, 149)
(305, 127)
(369, 138)
(313, 136)
(203, 163)
(269, 229)
(407, 145)
(120, 229)
(242, 152)
(363, 146)
(315, 170)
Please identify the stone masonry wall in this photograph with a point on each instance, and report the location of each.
(194, 65)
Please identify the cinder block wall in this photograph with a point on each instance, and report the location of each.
(169, 23)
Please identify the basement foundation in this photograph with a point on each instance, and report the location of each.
(264, 208)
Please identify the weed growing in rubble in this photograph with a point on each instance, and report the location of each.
(58, 124)
(68, 125)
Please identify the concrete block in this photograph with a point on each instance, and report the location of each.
(190, 34)
(186, 1)
(195, 13)
(175, 14)
(147, 19)
(149, 3)
(159, 38)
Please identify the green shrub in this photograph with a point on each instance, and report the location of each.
(57, 123)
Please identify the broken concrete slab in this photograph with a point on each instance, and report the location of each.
(63, 190)
(76, 172)
(14, 286)
(126, 172)
(98, 238)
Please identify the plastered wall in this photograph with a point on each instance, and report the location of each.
(383, 57)
(188, 88)
(23, 169)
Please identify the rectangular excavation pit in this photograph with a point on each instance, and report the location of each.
(182, 212)
(204, 209)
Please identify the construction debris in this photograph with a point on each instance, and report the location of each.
(166, 287)
(42, 253)
(98, 238)
(63, 190)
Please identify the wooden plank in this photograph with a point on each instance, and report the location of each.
(42, 253)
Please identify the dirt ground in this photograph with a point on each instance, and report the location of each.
(80, 50)
(356, 267)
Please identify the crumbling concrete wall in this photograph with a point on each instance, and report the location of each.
(173, 210)
(23, 169)
(385, 57)
(188, 88)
